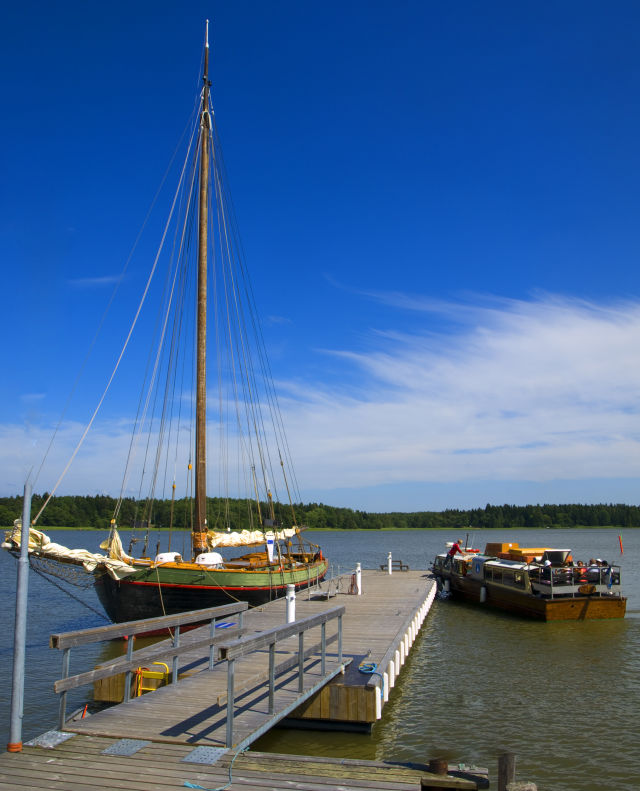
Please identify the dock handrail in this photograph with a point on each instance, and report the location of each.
(242, 646)
(68, 640)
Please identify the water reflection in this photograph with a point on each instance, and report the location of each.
(563, 696)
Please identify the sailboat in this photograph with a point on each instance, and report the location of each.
(201, 576)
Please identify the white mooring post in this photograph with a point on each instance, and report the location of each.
(358, 579)
(389, 563)
(291, 603)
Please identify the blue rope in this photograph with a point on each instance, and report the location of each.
(370, 669)
(219, 788)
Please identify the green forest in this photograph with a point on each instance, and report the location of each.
(97, 512)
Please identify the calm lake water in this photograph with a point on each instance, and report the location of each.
(564, 697)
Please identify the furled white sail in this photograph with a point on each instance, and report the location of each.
(40, 544)
(245, 538)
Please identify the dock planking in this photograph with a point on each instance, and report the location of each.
(79, 764)
(378, 627)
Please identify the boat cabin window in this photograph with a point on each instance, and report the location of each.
(505, 576)
(514, 578)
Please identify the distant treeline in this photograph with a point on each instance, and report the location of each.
(77, 511)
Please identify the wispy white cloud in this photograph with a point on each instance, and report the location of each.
(272, 319)
(32, 398)
(94, 282)
(531, 390)
(539, 390)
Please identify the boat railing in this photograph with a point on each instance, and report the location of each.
(127, 665)
(575, 580)
(336, 581)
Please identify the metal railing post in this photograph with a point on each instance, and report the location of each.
(323, 648)
(340, 639)
(66, 655)
(212, 648)
(127, 675)
(230, 700)
(176, 643)
(272, 676)
(300, 661)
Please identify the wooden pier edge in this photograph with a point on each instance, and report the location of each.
(358, 699)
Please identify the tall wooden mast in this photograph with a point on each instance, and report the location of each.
(200, 524)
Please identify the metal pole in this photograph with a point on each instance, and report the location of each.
(272, 676)
(127, 675)
(62, 715)
(358, 579)
(389, 563)
(176, 643)
(231, 671)
(301, 662)
(212, 648)
(20, 630)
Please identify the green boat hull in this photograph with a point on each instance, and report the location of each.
(166, 590)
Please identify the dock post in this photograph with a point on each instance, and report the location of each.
(20, 633)
(291, 603)
(323, 648)
(358, 579)
(390, 563)
(506, 770)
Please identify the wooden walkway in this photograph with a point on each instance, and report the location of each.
(80, 764)
(378, 628)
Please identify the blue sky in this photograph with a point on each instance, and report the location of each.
(438, 203)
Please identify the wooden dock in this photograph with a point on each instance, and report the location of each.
(176, 734)
(81, 764)
(379, 628)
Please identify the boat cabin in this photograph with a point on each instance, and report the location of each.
(552, 575)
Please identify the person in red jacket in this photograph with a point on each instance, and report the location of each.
(454, 551)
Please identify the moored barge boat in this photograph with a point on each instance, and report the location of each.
(541, 582)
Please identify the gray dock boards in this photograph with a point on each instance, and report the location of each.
(194, 709)
(176, 718)
(80, 765)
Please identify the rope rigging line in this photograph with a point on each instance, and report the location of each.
(112, 299)
(267, 374)
(120, 356)
(47, 575)
(139, 421)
